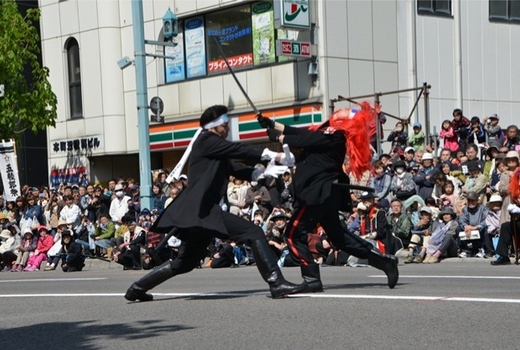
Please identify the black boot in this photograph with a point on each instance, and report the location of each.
(137, 291)
(311, 276)
(266, 264)
(386, 263)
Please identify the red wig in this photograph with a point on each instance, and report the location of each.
(354, 123)
(514, 186)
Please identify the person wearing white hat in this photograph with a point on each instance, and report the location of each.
(7, 249)
(493, 219)
(424, 178)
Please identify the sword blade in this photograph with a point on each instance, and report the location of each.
(234, 76)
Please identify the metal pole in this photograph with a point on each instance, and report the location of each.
(426, 93)
(142, 104)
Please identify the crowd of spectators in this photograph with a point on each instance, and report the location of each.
(431, 201)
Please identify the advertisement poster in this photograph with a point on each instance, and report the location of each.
(175, 66)
(263, 34)
(195, 47)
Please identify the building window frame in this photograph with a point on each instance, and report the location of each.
(74, 79)
(440, 8)
(504, 11)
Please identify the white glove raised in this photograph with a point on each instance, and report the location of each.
(287, 161)
(267, 154)
(275, 170)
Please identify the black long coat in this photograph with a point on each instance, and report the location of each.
(208, 175)
(319, 165)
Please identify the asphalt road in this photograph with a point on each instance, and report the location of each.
(442, 306)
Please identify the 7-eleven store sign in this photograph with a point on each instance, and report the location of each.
(179, 135)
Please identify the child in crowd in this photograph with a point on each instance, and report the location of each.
(451, 140)
(398, 137)
(417, 138)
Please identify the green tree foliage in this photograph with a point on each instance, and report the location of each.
(28, 102)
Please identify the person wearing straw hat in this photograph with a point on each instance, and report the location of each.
(197, 215)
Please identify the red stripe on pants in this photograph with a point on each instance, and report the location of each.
(290, 242)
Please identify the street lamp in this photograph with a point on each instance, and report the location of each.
(169, 19)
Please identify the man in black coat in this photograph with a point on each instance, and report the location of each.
(197, 215)
(318, 199)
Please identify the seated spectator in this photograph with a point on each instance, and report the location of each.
(261, 197)
(493, 220)
(382, 180)
(473, 218)
(9, 242)
(128, 253)
(402, 185)
(443, 241)
(400, 224)
(70, 255)
(240, 197)
(505, 240)
(511, 140)
(103, 233)
(84, 233)
(512, 162)
(45, 242)
(26, 247)
(275, 235)
(421, 234)
(155, 253)
(55, 252)
(424, 179)
(475, 181)
(224, 256)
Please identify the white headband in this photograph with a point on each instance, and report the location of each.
(219, 121)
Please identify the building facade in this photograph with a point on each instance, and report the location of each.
(461, 48)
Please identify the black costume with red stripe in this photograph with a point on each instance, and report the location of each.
(317, 199)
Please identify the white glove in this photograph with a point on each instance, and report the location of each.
(513, 209)
(267, 154)
(275, 170)
(285, 161)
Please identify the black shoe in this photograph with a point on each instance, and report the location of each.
(501, 261)
(314, 287)
(280, 290)
(386, 263)
(135, 293)
(137, 268)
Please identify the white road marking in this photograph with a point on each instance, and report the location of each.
(454, 277)
(314, 295)
(55, 280)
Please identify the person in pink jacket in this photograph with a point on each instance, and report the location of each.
(451, 140)
(45, 243)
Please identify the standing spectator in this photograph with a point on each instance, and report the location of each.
(460, 125)
(495, 135)
(32, 214)
(398, 137)
(451, 139)
(417, 138)
(119, 205)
